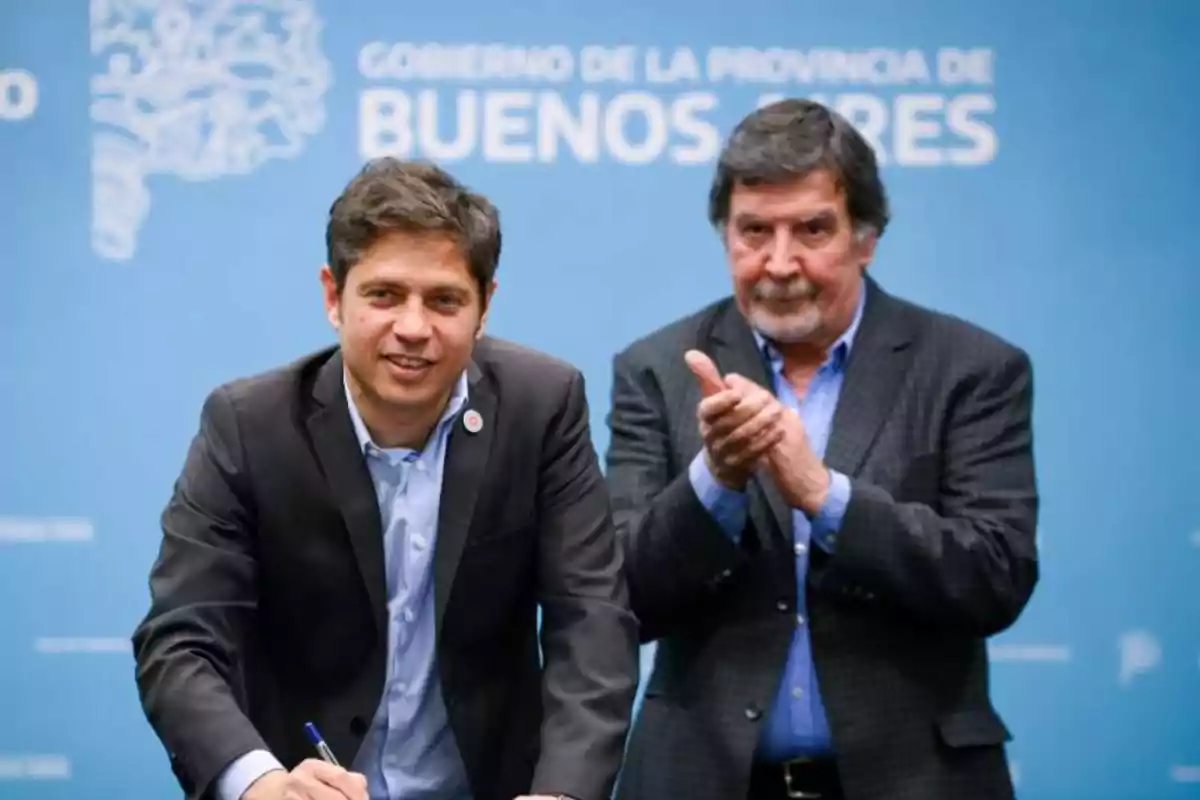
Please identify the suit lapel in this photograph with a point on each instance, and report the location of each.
(462, 480)
(735, 350)
(345, 469)
(879, 360)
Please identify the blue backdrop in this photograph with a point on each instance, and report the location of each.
(166, 171)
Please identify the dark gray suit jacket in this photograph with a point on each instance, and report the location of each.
(935, 554)
(269, 594)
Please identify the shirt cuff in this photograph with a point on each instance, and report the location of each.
(238, 776)
(726, 506)
(828, 521)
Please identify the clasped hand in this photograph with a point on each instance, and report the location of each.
(744, 428)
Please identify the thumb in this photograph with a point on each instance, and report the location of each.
(705, 371)
(737, 382)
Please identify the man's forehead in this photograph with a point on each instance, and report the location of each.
(414, 274)
(813, 194)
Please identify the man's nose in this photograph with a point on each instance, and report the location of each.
(411, 322)
(782, 261)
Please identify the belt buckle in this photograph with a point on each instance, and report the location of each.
(793, 793)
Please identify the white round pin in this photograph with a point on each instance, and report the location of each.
(473, 421)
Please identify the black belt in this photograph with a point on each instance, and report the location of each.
(798, 779)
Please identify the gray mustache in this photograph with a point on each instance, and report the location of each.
(796, 290)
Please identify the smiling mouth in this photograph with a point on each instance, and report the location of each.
(409, 364)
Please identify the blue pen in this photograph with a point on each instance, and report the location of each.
(314, 736)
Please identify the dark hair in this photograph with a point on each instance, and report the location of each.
(415, 197)
(789, 139)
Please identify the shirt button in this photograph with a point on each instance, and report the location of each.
(753, 712)
(409, 616)
(418, 542)
(799, 619)
(801, 548)
(420, 466)
(797, 693)
(782, 605)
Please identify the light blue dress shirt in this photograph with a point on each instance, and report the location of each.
(796, 724)
(409, 751)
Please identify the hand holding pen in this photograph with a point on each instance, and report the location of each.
(314, 779)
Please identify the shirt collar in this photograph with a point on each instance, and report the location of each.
(458, 398)
(837, 354)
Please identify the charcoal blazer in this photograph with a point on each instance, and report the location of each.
(269, 594)
(935, 554)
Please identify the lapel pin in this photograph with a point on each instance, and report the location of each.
(473, 421)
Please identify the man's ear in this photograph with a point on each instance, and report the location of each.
(865, 241)
(725, 232)
(332, 297)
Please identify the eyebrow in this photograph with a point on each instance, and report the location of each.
(384, 283)
(825, 215)
(820, 216)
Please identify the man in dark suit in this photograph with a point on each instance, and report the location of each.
(826, 496)
(362, 539)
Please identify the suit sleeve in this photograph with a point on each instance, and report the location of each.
(970, 565)
(675, 549)
(589, 634)
(202, 589)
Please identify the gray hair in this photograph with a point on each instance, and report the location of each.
(789, 139)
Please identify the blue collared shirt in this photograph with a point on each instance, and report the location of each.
(797, 724)
(409, 751)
